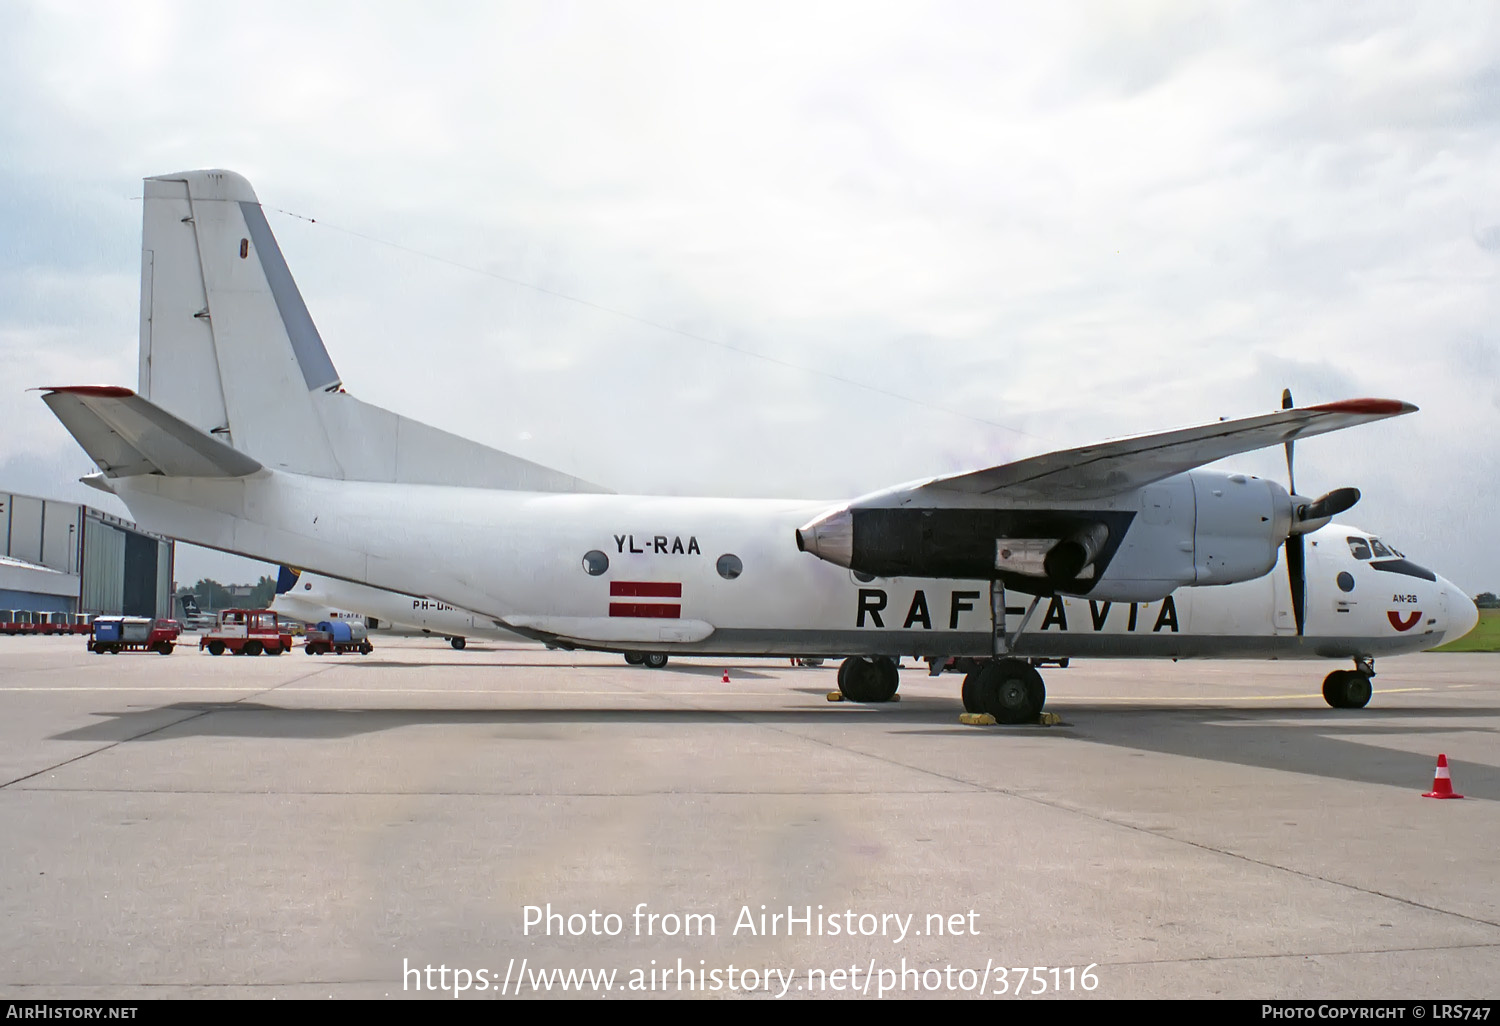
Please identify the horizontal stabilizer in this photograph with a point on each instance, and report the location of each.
(1109, 468)
(127, 436)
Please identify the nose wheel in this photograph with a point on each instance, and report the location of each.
(1347, 689)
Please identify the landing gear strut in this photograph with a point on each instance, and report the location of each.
(1350, 689)
(869, 680)
(1009, 689)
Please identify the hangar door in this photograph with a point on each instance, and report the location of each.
(139, 597)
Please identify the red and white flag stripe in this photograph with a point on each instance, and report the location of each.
(646, 589)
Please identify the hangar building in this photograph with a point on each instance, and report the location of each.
(62, 557)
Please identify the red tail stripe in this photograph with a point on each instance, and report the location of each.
(646, 609)
(646, 589)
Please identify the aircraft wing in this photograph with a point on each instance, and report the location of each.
(126, 435)
(1096, 471)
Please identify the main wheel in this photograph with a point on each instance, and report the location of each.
(457, 643)
(869, 680)
(1038, 690)
(654, 661)
(1011, 691)
(970, 692)
(1347, 689)
(216, 648)
(635, 658)
(890, 678)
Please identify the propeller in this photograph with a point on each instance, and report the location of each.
(1306, 516)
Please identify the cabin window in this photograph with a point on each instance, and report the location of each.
(729, 566)
(595, 562)
(1360, 548)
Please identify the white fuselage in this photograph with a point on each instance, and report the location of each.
(522, 559)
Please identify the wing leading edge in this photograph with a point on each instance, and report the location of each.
(1109, 468)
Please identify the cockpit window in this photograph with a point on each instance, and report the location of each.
(1380, 550)
(1359, 548)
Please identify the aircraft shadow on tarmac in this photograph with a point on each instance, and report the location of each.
(1321, 743)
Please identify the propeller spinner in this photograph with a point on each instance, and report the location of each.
(1307, 515)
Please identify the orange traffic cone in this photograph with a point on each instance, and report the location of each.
(1442, 784)
(726, 678)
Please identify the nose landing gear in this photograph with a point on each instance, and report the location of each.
(1350, 689)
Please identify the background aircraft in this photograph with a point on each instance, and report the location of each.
(311, 598)
(242, 438)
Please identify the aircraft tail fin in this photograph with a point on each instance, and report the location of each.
(286, 579)
(126, 436)
(227, 346)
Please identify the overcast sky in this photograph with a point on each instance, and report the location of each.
(802, 249)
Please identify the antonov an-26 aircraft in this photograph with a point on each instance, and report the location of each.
(242, 438)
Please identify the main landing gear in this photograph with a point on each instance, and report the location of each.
(650, 660)
(869, 679)
(1350, 689)
(1011, 690)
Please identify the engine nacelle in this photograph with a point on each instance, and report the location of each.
(1203, 527)
(1238, 528)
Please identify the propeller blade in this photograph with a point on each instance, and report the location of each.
(1330, 505)
(1291, 477)
(1296, 565)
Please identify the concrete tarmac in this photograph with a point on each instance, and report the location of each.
(296, 827)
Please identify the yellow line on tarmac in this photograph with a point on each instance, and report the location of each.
(1214, 698)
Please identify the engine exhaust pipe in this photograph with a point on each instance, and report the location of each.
(1066, 560)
